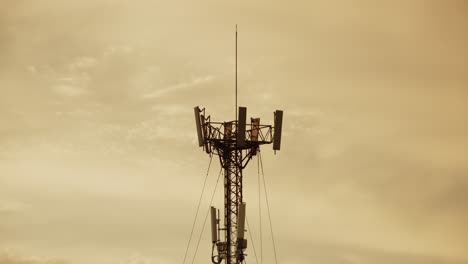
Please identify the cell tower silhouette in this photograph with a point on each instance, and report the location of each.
(235, 143)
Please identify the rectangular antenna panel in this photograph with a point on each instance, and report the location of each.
(278, 128)
(205, 135)
(241, 126)
(241, 222)
(255, 129)
(203, 127)
(198, 124)
(227, 130)
(214, 225)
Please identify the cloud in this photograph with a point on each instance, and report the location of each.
(32, 69)
(6, 257)
(83, 63)
(9, 207)
(194, 82)
(336, 253)
(69, 90)
(9, 257)
(138, 258)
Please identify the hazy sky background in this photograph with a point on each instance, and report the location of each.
(98, 155)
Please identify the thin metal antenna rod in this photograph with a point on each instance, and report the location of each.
(235, 110)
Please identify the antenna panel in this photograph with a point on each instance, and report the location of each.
(198, 124)
(241, 126)
(227, 130)
(214, 229)
(203, 127)
(205, 135)
(278, 128)
(255, 129)
(241, 222)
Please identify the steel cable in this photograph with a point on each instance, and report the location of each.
(268, 208)
(207, 213)
(198, 209)
(251, 238)
(260, 209)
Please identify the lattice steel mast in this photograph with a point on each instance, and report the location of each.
(235, 143)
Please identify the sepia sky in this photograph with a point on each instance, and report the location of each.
(98, 155)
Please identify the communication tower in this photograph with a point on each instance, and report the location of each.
(235, 142)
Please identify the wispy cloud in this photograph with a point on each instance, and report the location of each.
(9, 207)
(7, 257)
(82, 63)
(180, 86)
(69, 90)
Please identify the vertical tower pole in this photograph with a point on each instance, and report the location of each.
(232, 165)
(227, 202)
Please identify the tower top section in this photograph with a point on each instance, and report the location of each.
(237, 133)
(235, 143)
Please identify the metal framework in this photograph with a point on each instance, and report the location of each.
(235, 143)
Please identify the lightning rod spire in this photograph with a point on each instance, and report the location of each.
(235, 109)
